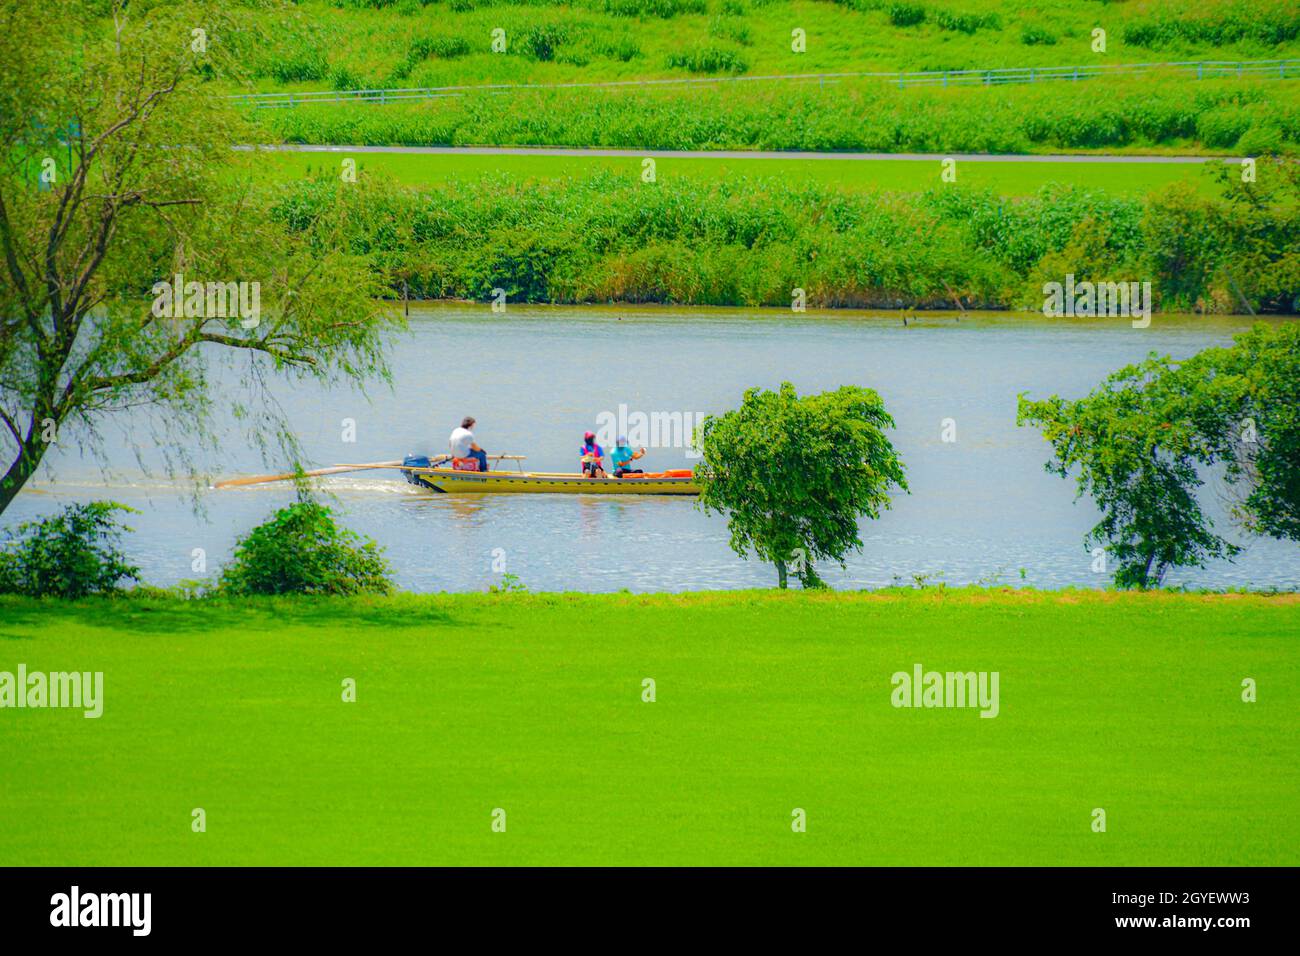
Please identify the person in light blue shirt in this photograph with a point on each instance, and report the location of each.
(623, 456)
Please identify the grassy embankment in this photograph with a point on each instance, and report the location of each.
(405, 45)
(1133, 116)
(1004, 178)
(322, 44)
(765, 703)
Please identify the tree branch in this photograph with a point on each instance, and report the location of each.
(16, 272)
(13, 426)
(251, 345)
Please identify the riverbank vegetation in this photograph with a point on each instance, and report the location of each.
(762, 703)
(755, 240)
(373, 44)
(300, 549)
(341, 44)
(1141, 446)
(1213, 116)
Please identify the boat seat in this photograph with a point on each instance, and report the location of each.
(464, 464)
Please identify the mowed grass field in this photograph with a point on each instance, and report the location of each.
(765, 702)
(1005, 178)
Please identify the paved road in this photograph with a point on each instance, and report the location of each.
(737, 154)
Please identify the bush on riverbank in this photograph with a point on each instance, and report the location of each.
(754, 240)
(68, 555)
(301, 550)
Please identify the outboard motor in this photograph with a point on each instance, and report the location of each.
(415, 461)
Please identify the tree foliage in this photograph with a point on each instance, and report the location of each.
(116, 172)
(1253, 419)
(1139, 446)
(794, 474)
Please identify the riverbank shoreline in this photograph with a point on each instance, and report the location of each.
(919, 311)
(145, 600)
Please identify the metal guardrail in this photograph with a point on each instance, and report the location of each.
(1200, 70)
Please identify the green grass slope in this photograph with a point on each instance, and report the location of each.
(349, 45)
(894, 175)
(336, 44)
(765, 703)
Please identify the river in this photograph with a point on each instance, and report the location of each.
(981, 508)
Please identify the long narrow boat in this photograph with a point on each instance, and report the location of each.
(453, 482)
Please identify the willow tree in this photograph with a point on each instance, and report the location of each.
(1135, 447)
(1251, 417)
(1141, 443)
(118, 182)
(795, 474)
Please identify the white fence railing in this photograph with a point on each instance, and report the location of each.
(1197, 70)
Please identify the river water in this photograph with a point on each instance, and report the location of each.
(981, 507)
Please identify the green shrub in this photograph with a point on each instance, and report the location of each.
(1268, 22)
(623, 49)
(541, 42)
(1221, 128)
(747, 241)
(304, 67)
(444, 48)
(301, 550)
(1262, 139)
(69, 555)
(341, 78)
(726, 28)
(709, 59)
(664, 9)
(1035, 35)
(966, 22)
(1147, 33)
(906, 14)
(422, 48)
(573, 57)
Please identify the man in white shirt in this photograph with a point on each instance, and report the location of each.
(463, 444)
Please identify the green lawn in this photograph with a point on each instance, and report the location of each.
(765, 702)
(1007, 178)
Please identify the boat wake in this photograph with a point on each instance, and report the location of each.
(369, 485)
